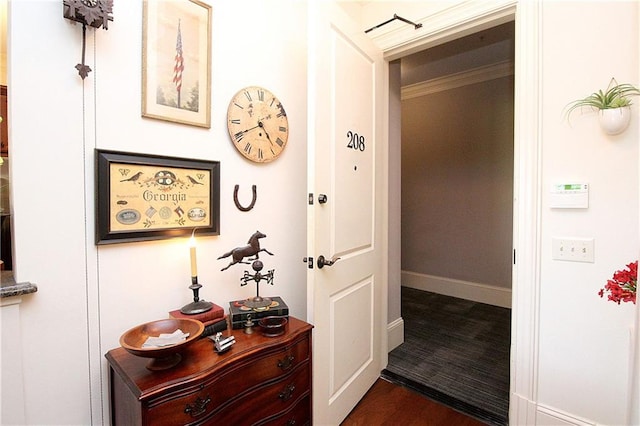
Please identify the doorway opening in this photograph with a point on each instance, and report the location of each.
(457, 173)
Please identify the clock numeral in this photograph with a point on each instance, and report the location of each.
(260, 155)
(235, 121)
(247, 148)
(238, 136)
(282, 129)
(248, 95)
(261, 95)
(280, 142)
(281, 114)
(238, 105)
(272, 101)
(272, 151)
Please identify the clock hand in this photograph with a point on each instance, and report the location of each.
(247, 130)
(265, 132)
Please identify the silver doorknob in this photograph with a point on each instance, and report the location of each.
(322, 261)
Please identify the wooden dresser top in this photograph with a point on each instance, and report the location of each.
(199, 360)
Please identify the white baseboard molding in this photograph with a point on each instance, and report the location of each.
(476, 292)
(523, 411)
(547, 416)
(395, 334)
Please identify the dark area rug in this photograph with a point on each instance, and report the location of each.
(455, 352)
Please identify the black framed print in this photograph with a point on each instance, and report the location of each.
(141, 197)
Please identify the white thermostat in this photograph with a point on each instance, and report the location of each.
(570, 196)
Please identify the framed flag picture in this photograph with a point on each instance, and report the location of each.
(176, 61)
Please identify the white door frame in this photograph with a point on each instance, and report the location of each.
(455, 22)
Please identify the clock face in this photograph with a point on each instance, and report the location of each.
(257, 124)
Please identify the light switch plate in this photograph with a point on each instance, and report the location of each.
(573, 249)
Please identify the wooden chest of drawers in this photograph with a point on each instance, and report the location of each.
(260, 380)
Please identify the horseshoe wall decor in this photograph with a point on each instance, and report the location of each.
(253, 200)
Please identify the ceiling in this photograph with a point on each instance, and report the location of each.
(486, 47)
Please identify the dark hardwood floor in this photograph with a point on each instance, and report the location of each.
(390, 404)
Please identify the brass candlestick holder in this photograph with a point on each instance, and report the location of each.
(197, 306)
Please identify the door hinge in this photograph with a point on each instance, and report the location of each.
(308, 261)
(311, 198)
(514, 256)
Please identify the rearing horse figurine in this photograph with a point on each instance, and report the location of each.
(251, 249)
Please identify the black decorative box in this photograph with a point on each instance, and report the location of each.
(239, 312)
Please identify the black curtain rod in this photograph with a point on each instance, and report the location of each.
(416, 26)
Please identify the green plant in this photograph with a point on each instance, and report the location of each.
(616, 96)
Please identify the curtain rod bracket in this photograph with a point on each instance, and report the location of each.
(416, 26)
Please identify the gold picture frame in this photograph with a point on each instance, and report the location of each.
(141, 197)
(176, 62)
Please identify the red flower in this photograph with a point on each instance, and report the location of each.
(623, 286)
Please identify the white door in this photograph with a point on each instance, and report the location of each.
(347, 142)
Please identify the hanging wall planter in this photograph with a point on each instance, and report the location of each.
(613, 105)
(614, 121)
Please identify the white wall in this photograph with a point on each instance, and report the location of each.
(579, 351)
(585, 341)
(88, 296)
(457, 183)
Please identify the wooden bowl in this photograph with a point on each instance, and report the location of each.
(166, 356)
(273, 326)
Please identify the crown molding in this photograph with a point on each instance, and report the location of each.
(452, 81)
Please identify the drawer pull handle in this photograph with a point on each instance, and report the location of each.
(286, 394)
(287, 363)
(198, 408)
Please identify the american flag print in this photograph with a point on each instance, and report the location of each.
(179, 65)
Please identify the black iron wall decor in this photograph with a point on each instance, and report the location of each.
(94, 13)
(253, 200)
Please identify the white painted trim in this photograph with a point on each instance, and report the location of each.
(453, 81)
(11, 300)
(98, 373)
(522, 410)
(634, 379)
(525, 318)
(551, 416)
(395, 334)
(633, 414)
(451, 23)
(457, 21)
(477, 292)
(12, 407)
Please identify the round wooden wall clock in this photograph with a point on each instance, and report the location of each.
(257, 124)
